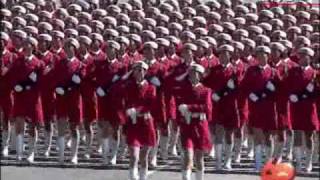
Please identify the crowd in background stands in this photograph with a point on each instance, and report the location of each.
(189, 77)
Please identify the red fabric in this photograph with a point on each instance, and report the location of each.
(87, 88)
(158, 70)
(283, 67)
(225, 110)
(46, 88)
(6, 100)
(262, 114)
(27, 104)
(143, 99)
(107, 105)
(68, 105)
(303, 114)
(195, 135)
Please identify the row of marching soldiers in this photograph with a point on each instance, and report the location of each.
(158, 94)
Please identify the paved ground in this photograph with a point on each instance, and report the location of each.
(33, 173)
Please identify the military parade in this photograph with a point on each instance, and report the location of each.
(150, 80)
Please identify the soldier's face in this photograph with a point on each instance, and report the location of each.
(42, 46)
(194, 77)
(262, 58)
(139, 73)
(224, 57)
(275, 54)
(149, 53)
(304, 59)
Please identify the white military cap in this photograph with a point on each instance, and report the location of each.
(150, 44)
(45, 37)
(135, 37)
(4, 36)
(96, 36)
(32, 41)
(190, 46)
(58, 34)
(263, 49)
(19, 33)
(85, 40)
(226, 47)
(202, 43)
(306, 50)
(113, 44)
(123, 39)
(198, 68)
(140, 64)
(73, 42)
(277, 46)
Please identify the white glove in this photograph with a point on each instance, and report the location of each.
(183, 108)
(18, 88)
(253, 97)
(60, 90)
(293, 98)
(100, 92)
(132, 113)
(310, 87)
(155, 81)
(115, 78)
(203, 116)
(270, 86)
(76, 79)
(33, 76)
(4, 70)
(231, 84)
(215, 97)
(147, 116)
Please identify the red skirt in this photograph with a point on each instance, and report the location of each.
(70, 106)
(6, 104)
(48, 105)
(28, 105)
(142, 133)
(89, 107)
(195, 135)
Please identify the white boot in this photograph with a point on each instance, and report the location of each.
(251, 147)
(19, 146)
(5, 144)
(143, 174)
(74, 150)
(279, 147)
(61, 145)
(290, 140)
(237, 150)
(212, 152)
(13, 138)
(228, 156)
(153, 156)
(32, 142)
(106, 150)
(114, 151)
(48, 141)
(200, 175)
(258, 157)
(218, 156)
(186, 174)
(88, 146)
(164, 147)
(309, 156)
(133, 174)
(298, 157)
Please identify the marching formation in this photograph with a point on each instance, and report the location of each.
(187, 78)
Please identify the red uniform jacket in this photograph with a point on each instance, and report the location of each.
(224, 83)
(69, 104)
(283, 67)
(46, 87)
(156, 72)
(195, 133)
(142, 97)
(108, 75)
(27, 103)
(6, 85)
(262, 113)
(88, 87)
(303, 113)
